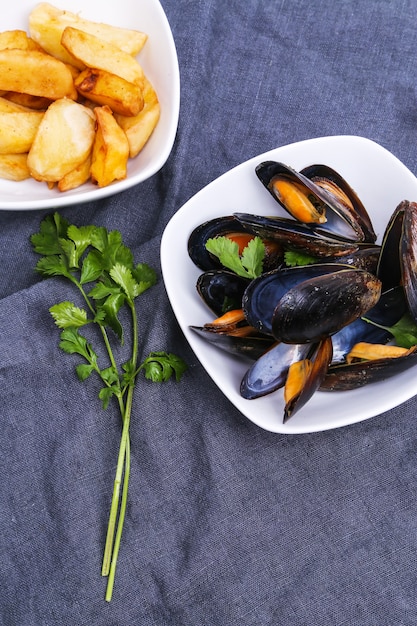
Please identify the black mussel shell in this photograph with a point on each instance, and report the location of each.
(320, 306)
(389, 269)
(270, 371)
(348, 377)
(333, 181)
(251, 347)
(340, 219)
(321, 358)
(263, 293)
(390, 308)
(398, 259)
(221, 290)
(292, 234)
(212, 228)
(366, 257)
(227, 226)
(408, 255)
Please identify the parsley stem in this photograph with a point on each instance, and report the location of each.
(111, 551)
(115, 549)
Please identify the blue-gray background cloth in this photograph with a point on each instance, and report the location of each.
(227, 524)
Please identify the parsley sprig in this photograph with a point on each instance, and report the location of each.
(249, 264)
(102, 269)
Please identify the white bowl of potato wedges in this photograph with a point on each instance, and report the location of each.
(89, 99)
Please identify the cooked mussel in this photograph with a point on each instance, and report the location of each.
(228, 226)
(298, 368)
(372, 328)
(221, 290)
(329, 179)
(291, 234)
(250, 346)
(398, 259)
(306, 376)
(334, 204)
(264, 293)
(232, 333)
(320, 306)
(270, 370)
(348, 376)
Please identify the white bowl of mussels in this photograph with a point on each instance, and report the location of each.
(291, 277)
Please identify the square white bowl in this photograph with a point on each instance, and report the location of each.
(160, 64)
(381, 182)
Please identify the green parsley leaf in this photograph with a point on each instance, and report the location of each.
(47, 240)
(293, 258)
(404, 331)
(74, 343)
(249, 265)
(160, 366)
(67, 315)
(123, 277)
(84, 370)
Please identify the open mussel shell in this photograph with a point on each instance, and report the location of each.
(345, 377)
(292, 234)
(339, 218)
(408, 255)
(269, 372)
(250, 347)
(389, 269)
(218, 226)
(365, 257)
(263, 293)
(329, 179)
(320, 358)
(221, 290)
(322, 305)
(398, 258)
(228, 226)
(389, 309)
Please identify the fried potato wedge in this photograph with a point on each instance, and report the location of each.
(47, 23)
(14, 167)
(97, 53)
(18, 130)
(139, 128)
(64, 140)
(35, 73)
(38, 103)
(78, 176)
(14, 39)
(9, 105)
(103, 88)
(110, 150)
(17, 39)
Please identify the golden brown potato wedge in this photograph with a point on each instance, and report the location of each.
(17, 39)
(35, 73)
(38, 103)
(14, 39)
(9, 105)
(110, 150)
(64, 140)
(14, 167)
(139, 128)
(78, 176)
(47, 23)
(97, 53)
(18, 130)
(102, 88)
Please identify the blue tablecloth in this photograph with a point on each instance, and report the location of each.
(227, 524)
